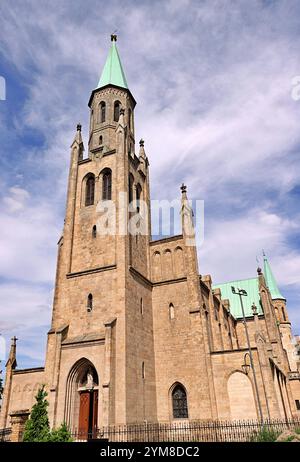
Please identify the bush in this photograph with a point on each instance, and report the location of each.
(61, 435)
(265, 435)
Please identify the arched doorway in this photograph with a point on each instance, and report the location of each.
(81, 413)
(241, 398)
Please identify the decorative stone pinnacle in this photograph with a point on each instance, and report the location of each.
(78, 127)
(183, 188)
(254, 308)
(113, 37)
(259, 271)
(142, 142)
(14, 340)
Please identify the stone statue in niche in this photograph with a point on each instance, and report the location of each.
(90, 379)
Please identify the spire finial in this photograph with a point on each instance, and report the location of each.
(142, 142)
(14, 341)
(78, 128)
(263, 252)
(183, 188)
(113, 37)
(259, 271)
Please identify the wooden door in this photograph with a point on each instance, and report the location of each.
(84, 414)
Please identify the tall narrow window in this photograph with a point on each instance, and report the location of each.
(94, 232)
(90, 190)
(138, 197)
(130, 188)
(106, 185)
(141, 306)
(102, 110)
(129, 118)
(90, 302)
(171, 311)
(117, 107)
(179, 403)
(100, 140)
(143, 370)
(283, 314)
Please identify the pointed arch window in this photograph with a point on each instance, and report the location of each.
(90, 302)
(90, 190)
(100, 140)
(106, 184)
(117, 107)
(179, 402)
(138, 197)
(102, 112)
(94, 232)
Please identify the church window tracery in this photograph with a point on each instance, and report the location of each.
(179, 402)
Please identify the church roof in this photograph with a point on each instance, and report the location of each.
(113, 73)
(251, 287)
(271, 281)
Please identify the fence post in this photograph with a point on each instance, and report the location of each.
(18, 421)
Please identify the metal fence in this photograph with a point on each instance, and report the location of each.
(5, 434)
(188, 431)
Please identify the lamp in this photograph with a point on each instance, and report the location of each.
(246, 366)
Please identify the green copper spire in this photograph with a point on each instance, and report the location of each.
(271, 281)
(113, 73)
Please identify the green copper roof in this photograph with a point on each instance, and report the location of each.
(251, 287)
(271, 281)
(113, 73)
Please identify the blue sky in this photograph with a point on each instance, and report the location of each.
(213, 83)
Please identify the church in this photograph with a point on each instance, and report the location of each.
(137, 333)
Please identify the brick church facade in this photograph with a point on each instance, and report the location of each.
(137, 334)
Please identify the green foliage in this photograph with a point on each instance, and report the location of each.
(37, 427)
(61, 434)
(289, 439)
(265, 435)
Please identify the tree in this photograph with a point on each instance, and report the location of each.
(37, 426)
(61, 434)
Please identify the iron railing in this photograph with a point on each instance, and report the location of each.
(5, 434)
(188, 431)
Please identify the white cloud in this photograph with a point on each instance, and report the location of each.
(16, 199)
(213, 86)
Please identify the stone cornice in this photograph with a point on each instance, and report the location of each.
(91, 271)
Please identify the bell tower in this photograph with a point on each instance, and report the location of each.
(102, 309)
(108, 101)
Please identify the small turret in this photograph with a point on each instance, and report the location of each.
(78, 141)
(12, 358)
(271, 281)
(143, 159)
(11, 364)
(187, 217)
